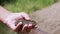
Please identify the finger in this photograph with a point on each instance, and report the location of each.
(25, 27)
(18, 26)
(36, 26)
(29, 27)
(26, 16)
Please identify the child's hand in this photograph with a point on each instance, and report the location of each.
(12, 18)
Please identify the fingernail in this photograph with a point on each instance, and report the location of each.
(30, 25)
(36, 26)
(27, 18)
(24, 28)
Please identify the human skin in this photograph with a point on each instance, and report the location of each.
(10, 18)
(48, 20)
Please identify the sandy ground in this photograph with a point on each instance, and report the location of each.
(48, 19)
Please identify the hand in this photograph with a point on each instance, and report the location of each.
(12, 18)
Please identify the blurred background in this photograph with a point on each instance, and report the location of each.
(27, 6)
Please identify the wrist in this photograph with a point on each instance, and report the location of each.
(3, 17)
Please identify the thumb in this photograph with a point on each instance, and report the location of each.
(11, 25)
(26, 16)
